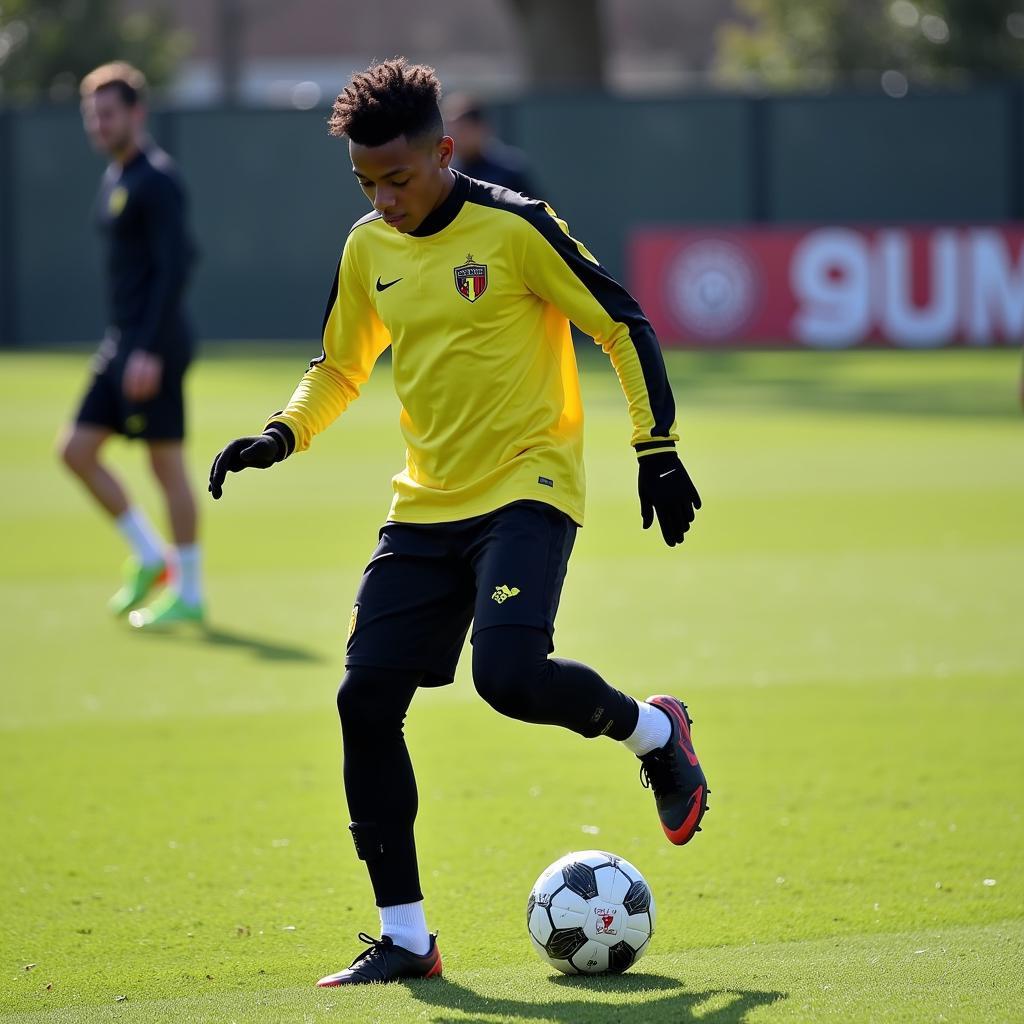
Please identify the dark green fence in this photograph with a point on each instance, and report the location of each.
(273, 196)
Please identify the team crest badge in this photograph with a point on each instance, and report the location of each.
(471, 279)
(116, 201)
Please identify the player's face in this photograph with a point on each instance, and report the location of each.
(403, 180)
(109, 122)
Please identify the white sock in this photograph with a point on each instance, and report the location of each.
(406, 926)
(653, 730)
(143, 539)
(186, 580)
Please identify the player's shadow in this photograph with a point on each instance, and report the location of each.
(677, 1006)
(258, 646)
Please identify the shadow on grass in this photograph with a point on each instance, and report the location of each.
(215, 636)
(941, 382)
(835, 382)
(676, 1006)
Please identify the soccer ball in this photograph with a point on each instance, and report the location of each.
(590, 912)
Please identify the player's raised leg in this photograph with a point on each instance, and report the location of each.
(513, 673)
(382, 799)
(183, 599)
(520, 555)
(79, 448)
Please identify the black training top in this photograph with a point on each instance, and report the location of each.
(500, 164)
(141, 212)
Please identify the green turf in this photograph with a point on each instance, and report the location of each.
(845, 621)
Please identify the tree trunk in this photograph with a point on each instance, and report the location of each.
(231, 20)
(563, 43)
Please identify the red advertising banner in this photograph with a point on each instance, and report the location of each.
(832, 287)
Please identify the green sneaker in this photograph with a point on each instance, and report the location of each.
(139, 580)
(167, 610)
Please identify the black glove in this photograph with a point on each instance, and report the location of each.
(260, 452)
(666, 488)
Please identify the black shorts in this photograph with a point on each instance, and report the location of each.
(426, 583)
(161, 418)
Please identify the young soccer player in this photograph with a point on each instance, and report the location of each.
(137, 374)
(473, 287)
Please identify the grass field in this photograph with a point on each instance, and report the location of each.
(845, 622)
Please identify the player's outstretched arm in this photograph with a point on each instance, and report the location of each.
(259, 452)
(353, 338)
(667, 491)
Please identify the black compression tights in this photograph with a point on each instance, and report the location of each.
(513, 673)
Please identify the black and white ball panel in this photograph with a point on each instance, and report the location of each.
(590, 912)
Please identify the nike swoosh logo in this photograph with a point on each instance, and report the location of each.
(661, 476)
(686, 829)
(384, 287)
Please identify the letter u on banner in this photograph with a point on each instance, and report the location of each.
(903, 322)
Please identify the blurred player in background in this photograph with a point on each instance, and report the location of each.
(473, 287)
(478, 153)
(139, 370)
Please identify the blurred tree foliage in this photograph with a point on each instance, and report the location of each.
(46, 46)
(797, 43)
(563, 42)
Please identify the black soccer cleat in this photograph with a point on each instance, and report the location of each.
(383, 962)
(675, 776)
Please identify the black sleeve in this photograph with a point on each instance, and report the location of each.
(170, 251)
(565, 273)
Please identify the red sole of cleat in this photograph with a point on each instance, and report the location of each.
(690, 827)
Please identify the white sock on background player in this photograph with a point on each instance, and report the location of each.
(186, 570)
(144, 541)
(406, 926)
(653, 730)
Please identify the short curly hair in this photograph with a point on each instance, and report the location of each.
(389, 99)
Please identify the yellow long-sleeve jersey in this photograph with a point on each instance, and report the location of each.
(476, 304)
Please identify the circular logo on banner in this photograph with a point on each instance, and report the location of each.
(712, 286)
